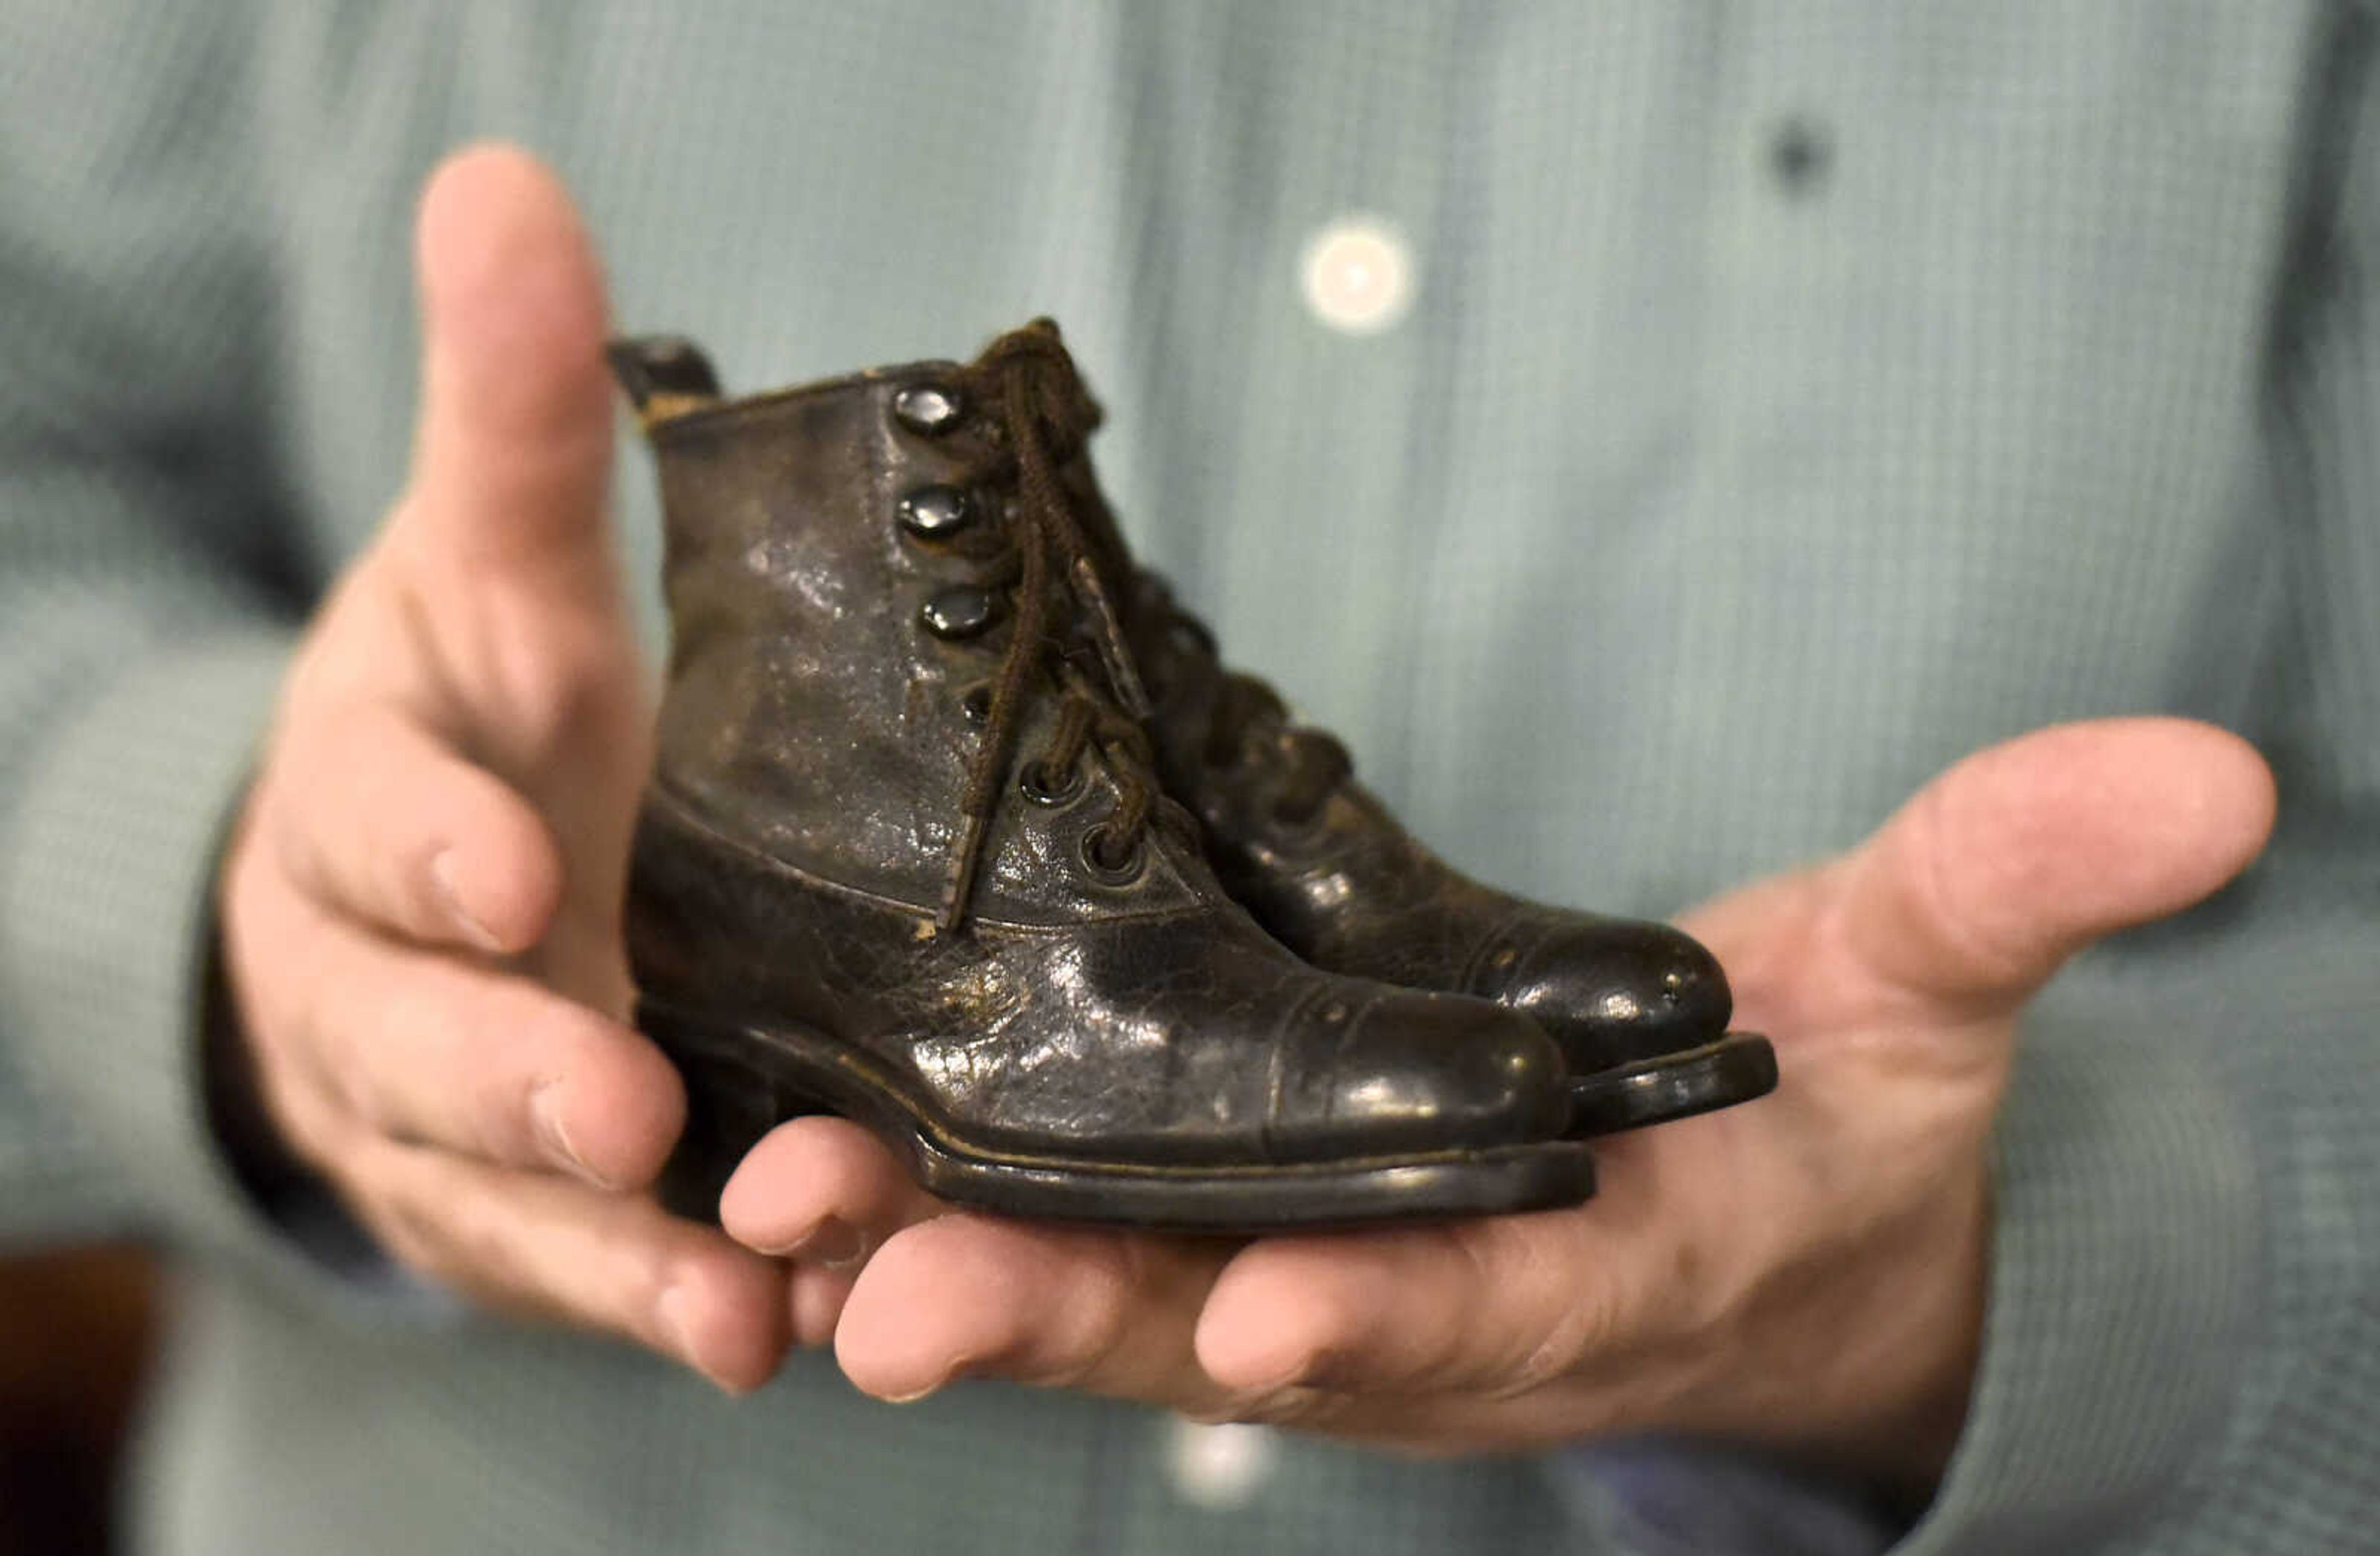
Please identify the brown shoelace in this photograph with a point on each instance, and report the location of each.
(1245, 718)
(1039, 417)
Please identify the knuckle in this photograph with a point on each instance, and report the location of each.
(309, 1023)
(478, 1243)
(1951, 891)
(1558, 1320)
(1099, 1320)
(1557, 1349)
(405, 1221)
(368, 1104)
(1554, 1354)
(402, 1234)
(511, 1058)
(291, 1038)
(351, 1105)
(310, 1128)
(554, 1033)
(366, 1051)
(637, 1279)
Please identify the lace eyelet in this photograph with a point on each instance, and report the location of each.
(927, 408)
(975, 704)
(935, 513)
(1285, 822)
(960, 612)
(1035, 783)
(1120, 873)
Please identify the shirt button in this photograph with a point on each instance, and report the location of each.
(1220, 1467)
(1358, 276)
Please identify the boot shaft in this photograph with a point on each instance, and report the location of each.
(841, 580)
(901, 701)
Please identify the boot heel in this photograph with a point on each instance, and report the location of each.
(730, 1104)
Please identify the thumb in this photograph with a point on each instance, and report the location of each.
(514, 438)
(1979, 887)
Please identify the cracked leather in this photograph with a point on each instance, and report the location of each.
(1347, 887)
(797, 839)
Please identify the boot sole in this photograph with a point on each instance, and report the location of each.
(742, 1082)
(1734, 1069)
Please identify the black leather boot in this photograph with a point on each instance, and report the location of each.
(1640, 1009)
(904, 857)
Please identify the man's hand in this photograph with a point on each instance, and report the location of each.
(1806, 1272)
(420, 909)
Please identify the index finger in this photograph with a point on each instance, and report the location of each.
(378, 819)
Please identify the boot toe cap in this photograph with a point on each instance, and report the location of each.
(1612, 992)
(1405, 1072)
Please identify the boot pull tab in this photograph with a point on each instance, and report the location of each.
(665, 376)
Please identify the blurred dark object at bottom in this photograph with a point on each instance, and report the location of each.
(77, 1330)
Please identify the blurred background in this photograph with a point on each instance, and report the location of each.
(77, 1330)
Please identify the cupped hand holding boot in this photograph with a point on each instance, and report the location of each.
(421, 910)
(1804, 1273)
(420, 921)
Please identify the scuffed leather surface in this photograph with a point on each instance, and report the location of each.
(1350, 890)
(1185, 1035)
(796, 840)
(807, 709)
(1354, 892)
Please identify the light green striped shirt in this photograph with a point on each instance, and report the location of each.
(1782, 400)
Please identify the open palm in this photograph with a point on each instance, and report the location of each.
(1806, 1272)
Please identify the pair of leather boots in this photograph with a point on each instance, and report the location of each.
(959, 828)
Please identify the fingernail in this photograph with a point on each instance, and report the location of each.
(950, 1375)
(442, 875)
(834, 1243)
(545, 1112)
